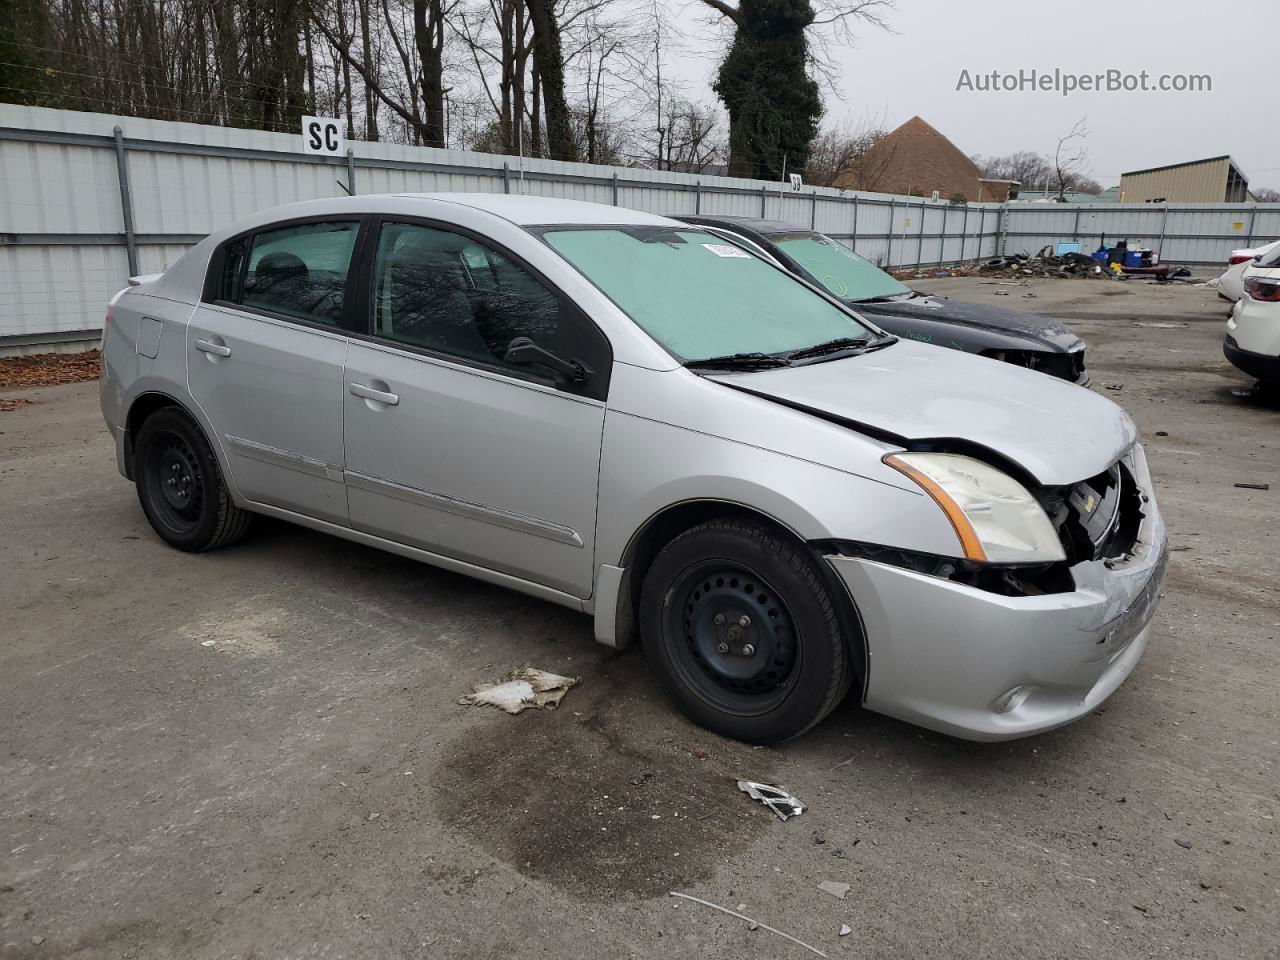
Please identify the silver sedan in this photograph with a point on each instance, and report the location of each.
(643, 421)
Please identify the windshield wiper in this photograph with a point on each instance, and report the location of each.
(841, 345)
(829, 346)
(740, 361)
(888, 298)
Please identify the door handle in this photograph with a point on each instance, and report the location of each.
(382, 396)
(217, 349)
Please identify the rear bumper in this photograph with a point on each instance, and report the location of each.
(1257, 365)
(983, 666)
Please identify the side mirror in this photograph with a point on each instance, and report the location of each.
(523, 350)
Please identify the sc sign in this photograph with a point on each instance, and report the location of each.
(324, 136)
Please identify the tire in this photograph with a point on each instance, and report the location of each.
(180, 485)
(786, 665)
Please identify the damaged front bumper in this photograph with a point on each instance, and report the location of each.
(984, 666)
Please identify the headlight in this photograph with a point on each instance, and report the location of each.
(995, 517)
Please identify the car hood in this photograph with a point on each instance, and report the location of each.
(910, 393)
(1045, 333)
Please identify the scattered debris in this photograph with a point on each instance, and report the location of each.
(1162, 433)
(1031, 295)
(751, 924)
(47, 369)
(10, 404)
(521, 690)
(1044, 264)
(775, 798)
(1161, 324)
(1253, 486)
(1114, 386)
(836, 889)
(845, 930)
(1001, 293)
(1184, 844)
(37, 940)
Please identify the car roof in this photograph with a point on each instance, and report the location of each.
(540, 211)
(757, 224)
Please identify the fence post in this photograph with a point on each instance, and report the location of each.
(1164, 221)
(351, 172)
(764, 198)
(920, 236)
(888, 254)
(1002, 229)
(964, 234)
(615, 188)
(506, 178)
(813, 211)
(697, 197)
(853, 237)
(126, 202)
(1253, 215)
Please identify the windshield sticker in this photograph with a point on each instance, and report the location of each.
(727, 250)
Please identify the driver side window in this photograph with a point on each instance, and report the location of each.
(449, 294)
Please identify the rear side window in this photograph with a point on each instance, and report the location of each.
(297, 271)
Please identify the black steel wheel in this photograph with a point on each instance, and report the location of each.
(739, 647)
(740, 625)
(180, 486)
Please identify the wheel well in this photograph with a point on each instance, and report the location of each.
(665, 526)
(143, 407)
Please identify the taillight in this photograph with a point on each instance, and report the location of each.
(1242, 258)
(1262, 289)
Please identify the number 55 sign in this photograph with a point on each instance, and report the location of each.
(322, 135)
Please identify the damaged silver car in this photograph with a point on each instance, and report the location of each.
(630, 416)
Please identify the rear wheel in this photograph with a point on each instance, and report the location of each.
(741, 627)
(180, 486)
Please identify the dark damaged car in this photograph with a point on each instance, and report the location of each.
(1023, 339)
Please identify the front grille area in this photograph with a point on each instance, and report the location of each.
(1098, 518)
(1064, 366)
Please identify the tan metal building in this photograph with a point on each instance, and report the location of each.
(1216, 180)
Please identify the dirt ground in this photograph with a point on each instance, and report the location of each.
(258, 752)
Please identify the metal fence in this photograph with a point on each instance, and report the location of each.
(87, 200)
(1194, 234)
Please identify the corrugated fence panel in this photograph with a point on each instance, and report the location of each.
(62, 231)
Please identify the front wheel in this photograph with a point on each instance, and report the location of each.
(180, 486)
(743, 631)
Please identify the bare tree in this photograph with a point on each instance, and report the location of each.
(1266, 195)
(1027, 167)
(836, 152)
(1070, 157)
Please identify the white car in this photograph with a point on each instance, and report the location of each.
(1231, 283)
(1252, 343)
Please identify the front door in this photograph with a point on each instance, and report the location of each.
(265, 361)
(451, 448)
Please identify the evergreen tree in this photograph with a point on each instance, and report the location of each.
(23, 35)
(773, 103)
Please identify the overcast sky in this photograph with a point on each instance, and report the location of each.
(894, 76)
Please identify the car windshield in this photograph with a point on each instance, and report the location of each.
(699, 296)
(838, 269)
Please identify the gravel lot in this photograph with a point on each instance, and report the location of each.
(259, 753)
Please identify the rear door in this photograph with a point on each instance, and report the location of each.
(265, 355)
(450, 447)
